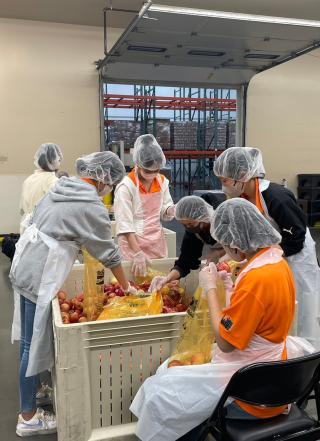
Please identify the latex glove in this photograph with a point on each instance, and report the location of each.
(226, 279)
(140, 264)
(157, 283)
(131, 290)
(171, 211)
(208, 278)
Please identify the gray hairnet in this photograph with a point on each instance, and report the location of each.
(147, 153)
(237, 223)
(193, 208)
(240, 164)
(103, 167)
(48, 157)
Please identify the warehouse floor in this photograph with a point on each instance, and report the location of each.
(9, 402)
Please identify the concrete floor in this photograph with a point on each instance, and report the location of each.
(9, 401)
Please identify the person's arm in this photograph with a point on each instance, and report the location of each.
(167, 209)
(215, 312)
(283, 208)
(118, 273)
(123, 212)
(190, 254)
(235, 325)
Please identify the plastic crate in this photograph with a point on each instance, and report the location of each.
(309, 180)
(309, 193)
(169, 235)
(99, 366)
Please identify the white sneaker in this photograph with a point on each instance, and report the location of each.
(44, 395)
(42, 423)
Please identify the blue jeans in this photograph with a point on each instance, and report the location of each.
(28, 385)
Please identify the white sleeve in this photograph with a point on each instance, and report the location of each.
(123, 210)
(167, 201)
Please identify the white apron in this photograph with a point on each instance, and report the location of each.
(306, 273)
(176, 400)
(152, 241)
(59, 262)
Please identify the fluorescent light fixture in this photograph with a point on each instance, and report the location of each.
(132, 47)
(233, 16)
(262, 56)
(205, 53)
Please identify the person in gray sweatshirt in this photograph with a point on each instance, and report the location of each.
(69, 216)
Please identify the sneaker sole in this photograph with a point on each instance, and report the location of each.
(23, 434)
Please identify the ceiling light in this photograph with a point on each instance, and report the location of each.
(146, 48)
(262, 56)
(206, 53)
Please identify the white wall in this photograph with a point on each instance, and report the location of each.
(49, 92)
(283, 118)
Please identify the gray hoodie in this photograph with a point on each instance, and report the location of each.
(72, 211)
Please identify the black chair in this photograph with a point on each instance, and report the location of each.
(269, 384)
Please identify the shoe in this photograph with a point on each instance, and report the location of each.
(42, 423)
(44, 395)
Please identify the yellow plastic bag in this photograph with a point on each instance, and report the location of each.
(93, 286)
(195, 343)
(151, 273)
(132, 306)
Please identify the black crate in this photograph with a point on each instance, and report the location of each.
(310, 180)
(309, 207)
(313, 219)
(309, 193)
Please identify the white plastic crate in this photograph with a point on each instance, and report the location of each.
(99, 366)
(169, 235)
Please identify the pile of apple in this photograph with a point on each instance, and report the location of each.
(71, 310)
(192, 359)
(172, 297)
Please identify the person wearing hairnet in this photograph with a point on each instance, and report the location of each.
(195, 214)
(141, 201)
(241, 172)
(69, 216)
(47, 160)
(252, 328)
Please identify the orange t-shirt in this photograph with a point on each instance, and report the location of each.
(155, 186)
(257, 197)
(263, 303)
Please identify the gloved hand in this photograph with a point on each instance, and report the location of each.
(131, 290)
(228, 285)
(170, 212)
(226, 279)
(208, 278)
(140, 264)
(157, 283)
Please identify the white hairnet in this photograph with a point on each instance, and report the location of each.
(237, 223)
(240, 164)
(48, 157)
(193, 208)
(147, 153)
(103, 167)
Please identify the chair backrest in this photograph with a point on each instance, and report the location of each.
(274, 383)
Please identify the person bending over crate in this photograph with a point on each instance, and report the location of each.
(69, 216)
(253, 327)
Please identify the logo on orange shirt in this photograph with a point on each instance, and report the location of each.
(227, 323)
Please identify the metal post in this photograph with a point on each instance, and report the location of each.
(101, 114)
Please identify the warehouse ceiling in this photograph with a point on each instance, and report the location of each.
(182, 46)
(89, 12)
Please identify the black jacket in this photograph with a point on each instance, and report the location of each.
(193, 243)
(284, 210)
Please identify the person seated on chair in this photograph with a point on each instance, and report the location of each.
(253, 327)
